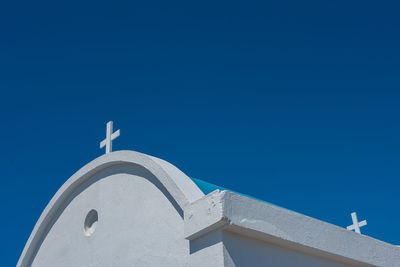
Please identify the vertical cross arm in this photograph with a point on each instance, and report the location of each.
(355, 222)
(110, 136)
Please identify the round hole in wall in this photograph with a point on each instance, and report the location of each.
(90, 222)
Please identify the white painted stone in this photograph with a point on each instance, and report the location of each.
(356, 225)
(130, 209)
(179, 191)
(255, 220)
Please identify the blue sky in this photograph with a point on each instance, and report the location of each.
(296, 103)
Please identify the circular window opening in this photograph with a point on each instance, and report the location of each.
(90, 222)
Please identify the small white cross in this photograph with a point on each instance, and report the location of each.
(356, 225)
(110, 136)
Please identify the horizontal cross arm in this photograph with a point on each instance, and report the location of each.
(115, 135)
(362, 223)
(103, 143)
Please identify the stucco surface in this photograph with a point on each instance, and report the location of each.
(176, 187)
(240, 250)
(151, 214)
(258, 220)
(137, 226)
(207, 250)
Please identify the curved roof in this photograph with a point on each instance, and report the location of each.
(179, 186)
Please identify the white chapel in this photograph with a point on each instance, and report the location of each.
(126, 208)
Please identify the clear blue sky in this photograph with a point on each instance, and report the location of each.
(296, 103)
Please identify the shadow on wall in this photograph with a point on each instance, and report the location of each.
(208, 240)
(243, 251)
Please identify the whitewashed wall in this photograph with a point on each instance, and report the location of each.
(137, 225)
(243, 251)
(149, 213)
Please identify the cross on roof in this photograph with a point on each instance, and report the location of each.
(110, 136)
(356, 225)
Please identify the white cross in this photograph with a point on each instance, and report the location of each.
(356, 225)
(109, 137)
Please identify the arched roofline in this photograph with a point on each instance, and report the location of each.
(182, 189)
